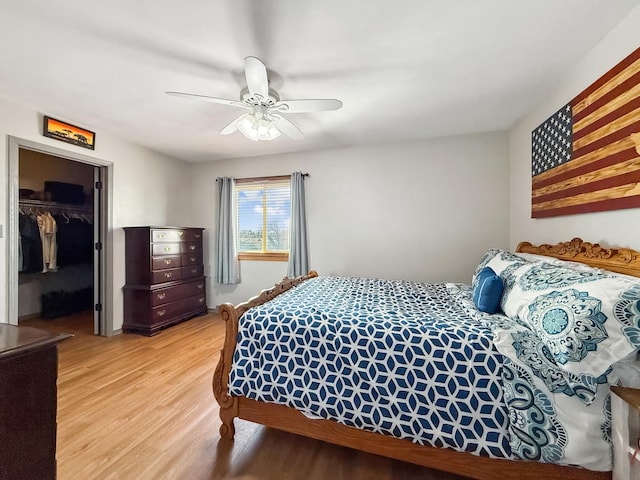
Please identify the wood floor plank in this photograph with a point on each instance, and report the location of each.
(142, 408)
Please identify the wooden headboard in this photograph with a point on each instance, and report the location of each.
(621, 260)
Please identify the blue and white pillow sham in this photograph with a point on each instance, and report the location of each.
(579, 322)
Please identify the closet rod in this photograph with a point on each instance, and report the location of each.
(62, 207)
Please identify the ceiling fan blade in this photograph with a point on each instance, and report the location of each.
(302, 106)
(256, 75)
(286, 127)
(232, 127)
(222, 101)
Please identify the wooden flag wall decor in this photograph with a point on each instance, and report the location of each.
(586, 157)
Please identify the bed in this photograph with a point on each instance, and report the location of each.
(353, 362)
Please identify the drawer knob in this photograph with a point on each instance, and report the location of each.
(201, 300)
(167, 249)
(200, 286)
(161, 235)
(194, 270)
(167, 262)
(161, 312)
(180, 233)
(192, 259)
(192, 247)
(197, 235)
(168, 274)
(161, 296)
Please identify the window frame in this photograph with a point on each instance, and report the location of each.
(261, 256)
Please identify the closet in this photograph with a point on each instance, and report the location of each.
(56, 240)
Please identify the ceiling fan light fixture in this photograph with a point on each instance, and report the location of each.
(265, 120)
(255, 128)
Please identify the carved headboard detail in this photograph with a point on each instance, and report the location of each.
(621, 260)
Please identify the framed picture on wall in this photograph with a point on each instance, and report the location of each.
(65, 132)
(585, 157)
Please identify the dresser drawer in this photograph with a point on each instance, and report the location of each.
(164, 262)
(177, 292)
(193, 235)
(190, 247)
(168, 235)
(192, 271)
(165, 249)
(191, 259)
(169, 275)
(169, 310)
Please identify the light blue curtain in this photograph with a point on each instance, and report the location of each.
(298, 245)
(226, 258)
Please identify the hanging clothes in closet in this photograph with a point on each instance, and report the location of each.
(48, 242)
(48, 230)
(75, 239)
(57, 238)
(31, 244)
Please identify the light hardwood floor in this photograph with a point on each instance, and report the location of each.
(138, 408)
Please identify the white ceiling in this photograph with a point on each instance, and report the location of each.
(405, 69)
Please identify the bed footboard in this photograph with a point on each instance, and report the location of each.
(231, 315)
(228, 404)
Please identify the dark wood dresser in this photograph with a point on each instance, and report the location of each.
(165, 281)
(28, 402)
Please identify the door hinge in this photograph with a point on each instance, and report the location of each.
(98, 185)
(98, 246)
(98, 307)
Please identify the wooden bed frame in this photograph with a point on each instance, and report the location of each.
(621, 260)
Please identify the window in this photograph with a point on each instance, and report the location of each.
(263, 214)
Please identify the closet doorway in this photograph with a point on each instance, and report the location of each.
(58, 215)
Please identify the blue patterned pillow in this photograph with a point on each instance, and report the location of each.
(487, 291)
(586, 321)
(500, 261)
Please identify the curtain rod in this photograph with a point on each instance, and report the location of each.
(259, 179)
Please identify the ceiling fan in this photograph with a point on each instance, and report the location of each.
(265, 120)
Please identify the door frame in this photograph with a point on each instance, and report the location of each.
(104, 216)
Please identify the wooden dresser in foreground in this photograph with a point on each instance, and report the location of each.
(165, 281)
(28, 402)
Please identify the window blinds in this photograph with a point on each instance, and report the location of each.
(263, 215)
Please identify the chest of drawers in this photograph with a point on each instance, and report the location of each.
(165, 281)
(28, 402)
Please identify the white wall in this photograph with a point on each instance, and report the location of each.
(148, 189)
(620, 227)
(424, 210)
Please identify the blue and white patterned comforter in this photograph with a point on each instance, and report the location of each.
(393, 357)
(411, 360)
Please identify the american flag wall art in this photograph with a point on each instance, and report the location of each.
(586, 157)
